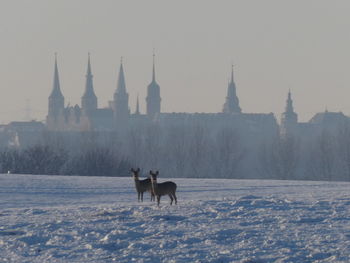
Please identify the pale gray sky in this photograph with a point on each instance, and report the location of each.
(275, 45)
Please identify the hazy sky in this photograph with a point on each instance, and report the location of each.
(275, 45)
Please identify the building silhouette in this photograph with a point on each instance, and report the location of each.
(117, 116)
(227, 143)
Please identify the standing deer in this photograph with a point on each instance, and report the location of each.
(142, 185)
(166, 188)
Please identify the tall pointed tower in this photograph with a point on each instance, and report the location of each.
(153, 96)
(232, 103)
(56, 101)
(89, 99)
(121, 99)
(137, 111)
(289, 118)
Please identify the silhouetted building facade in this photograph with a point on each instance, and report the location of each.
(117, 116)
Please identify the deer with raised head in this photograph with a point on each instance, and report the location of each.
(166, 188)
(142, 185)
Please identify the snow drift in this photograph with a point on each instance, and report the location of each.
(98, 219)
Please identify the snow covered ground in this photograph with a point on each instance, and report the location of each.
(92, 219)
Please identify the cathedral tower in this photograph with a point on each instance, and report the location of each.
(137, 111)
(56, 100)
(153, 96)
(289, 119)
(232, 103)
(89, 99)
(121, 99)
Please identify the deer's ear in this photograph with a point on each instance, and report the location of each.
(150, 171)
(138, 169)
(157, 172)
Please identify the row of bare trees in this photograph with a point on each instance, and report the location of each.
(322, 156)
(46, 159)
(186, 151)
(182, 151)
(178, 151)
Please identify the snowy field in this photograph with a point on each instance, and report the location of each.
(91, 219)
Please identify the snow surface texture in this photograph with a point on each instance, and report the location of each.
(91, 219)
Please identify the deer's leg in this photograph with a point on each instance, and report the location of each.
(141, 196)
(158, 199)
(138, 196)
(175, 198)
(171, 199)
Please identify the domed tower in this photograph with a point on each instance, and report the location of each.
(89, 99)
(232, 103)
(121, 99)
(153, 96)
(289, 118)
(56, 101)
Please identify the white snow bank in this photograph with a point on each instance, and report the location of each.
(91, 219)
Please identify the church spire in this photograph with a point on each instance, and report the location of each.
(121, 87)
(232, 74)
(232, 103)
(89, 87)
(56, 100)
(56, 90)
(121, 99)
(289, 104)
(154, 71)
(88, 73)
(89, 99)
(289, 119)
(137, 111)
(153, 95)
(56, 81)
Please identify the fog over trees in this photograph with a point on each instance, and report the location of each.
(185, 151)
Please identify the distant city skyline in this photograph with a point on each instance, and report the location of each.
(275, 47)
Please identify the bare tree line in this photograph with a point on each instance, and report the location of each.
(186, 151)
(322, 156)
